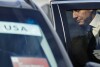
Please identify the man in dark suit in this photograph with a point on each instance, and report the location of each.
(92, 18)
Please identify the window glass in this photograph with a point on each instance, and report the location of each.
(25, 34)
(77, 24)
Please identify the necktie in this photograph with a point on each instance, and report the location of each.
(89, 32)
(91, 43)
(91, 37)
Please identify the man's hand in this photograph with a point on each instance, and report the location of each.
(97, 54)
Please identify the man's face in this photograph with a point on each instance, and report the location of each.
(81, 15)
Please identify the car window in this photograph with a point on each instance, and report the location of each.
(73, 23)
(72, 35)
(24, 35)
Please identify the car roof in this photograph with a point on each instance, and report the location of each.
(22, 3)
(15, 4)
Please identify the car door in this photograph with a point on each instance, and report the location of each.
(27, 38)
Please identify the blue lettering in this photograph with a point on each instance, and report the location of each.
(23, 29)
(7, 27)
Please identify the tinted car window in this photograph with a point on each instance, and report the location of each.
(75, 33)
(24, 34)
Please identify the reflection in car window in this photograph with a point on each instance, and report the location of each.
(24, 33)
(22, 37)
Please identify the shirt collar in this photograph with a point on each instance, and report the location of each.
(96, 21)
